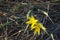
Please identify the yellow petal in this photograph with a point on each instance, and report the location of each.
(32, 20)
(28, 22)
(33, 27)
(35, 31)
(42, 27)
(39, 31)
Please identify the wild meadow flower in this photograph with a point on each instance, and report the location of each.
(35, 25)
(31, 21)
(37, 28)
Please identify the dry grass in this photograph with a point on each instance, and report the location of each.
(13, 17)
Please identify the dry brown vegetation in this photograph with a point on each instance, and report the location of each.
(13, 17)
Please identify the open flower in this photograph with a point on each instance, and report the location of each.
(37, 28)
(31, 21)
(35, 25)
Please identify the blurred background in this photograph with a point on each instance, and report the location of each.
(13, 18)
